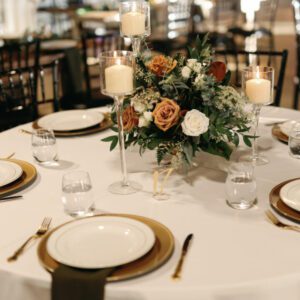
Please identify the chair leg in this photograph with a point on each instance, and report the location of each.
(296, 93)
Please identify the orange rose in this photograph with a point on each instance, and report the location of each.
(161, 65)
(166, 114)
(218, 70)
(130, 118)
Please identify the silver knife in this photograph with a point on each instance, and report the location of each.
(184, 250)
(10, 198)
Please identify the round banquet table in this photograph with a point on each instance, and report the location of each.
(234, 254)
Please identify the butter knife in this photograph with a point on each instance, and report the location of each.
(184, 250)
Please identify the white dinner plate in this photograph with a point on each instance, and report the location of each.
(286, 127)
(71, 120)
(9, 172)
(100, 242)
(58, 44)
(290, 194)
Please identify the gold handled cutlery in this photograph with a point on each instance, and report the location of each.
(40, 232)
(184, 251)
(280, 224)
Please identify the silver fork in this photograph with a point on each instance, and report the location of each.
(278, 223)
(40, 232)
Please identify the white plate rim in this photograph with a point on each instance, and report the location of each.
(58, 233)
(283, 128)
(98, 118)
(18, 172)
(284, 196)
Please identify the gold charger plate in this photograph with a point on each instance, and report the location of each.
(28, 176)
(158, 255)
(106, 123)
(278, 205)
(276, 132)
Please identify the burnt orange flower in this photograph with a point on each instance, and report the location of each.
(166, 114)
(130, 118)
(218, 70)
(161, 65)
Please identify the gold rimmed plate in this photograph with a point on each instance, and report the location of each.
(105, 124)
(279, 206)
(157, 256)
(276, 132)
(28, 176)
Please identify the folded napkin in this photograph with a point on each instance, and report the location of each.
(79, 284)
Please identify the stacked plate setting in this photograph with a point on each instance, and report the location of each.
(100, 242)
(71, 120)
(290, 194)
(9, 172)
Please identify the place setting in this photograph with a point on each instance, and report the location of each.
(285, 199)
(103, 248)
(15, 175)
(72, 123)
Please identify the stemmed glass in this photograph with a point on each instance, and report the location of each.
(117, 70)
(135, 22)
(258, 86)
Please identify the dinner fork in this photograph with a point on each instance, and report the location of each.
(278, 223)
(41, 231)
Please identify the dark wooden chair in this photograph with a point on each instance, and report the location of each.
(237, 60)
(17, 55)
(21, 93)
(92, 45)
(296, 9)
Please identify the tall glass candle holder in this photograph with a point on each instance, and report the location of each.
(117, 70)
(135, 22)
(258, 86)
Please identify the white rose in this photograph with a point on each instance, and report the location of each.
(139, 107)
(145, 119)
(197, 67)
(186, 72)
(194, 65)
(191, 62)
(194, 123)
(199, 80)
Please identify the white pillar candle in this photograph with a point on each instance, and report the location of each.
(258, 90)
(119, 79)
(133, 23)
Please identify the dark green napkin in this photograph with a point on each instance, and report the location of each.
(79, 284)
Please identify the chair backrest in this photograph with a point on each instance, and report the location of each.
(92, 45)
(296, 9)
(237, 60)
(18, 55)
(21, 93)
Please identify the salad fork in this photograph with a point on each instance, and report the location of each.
(40, 232)
(280, 224)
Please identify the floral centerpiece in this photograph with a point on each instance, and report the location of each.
(183, 105)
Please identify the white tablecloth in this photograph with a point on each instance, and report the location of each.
(234, 255)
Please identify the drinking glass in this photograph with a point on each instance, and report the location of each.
(135, 22)
(77, 195)
(44, 147)
(294, 140)
(258, 86)
(117, 69)
(240, 186)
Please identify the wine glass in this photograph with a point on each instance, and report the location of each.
(117, 70)
(135, 22)
(258, 86)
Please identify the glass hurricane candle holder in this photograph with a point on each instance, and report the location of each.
(258, 86)
(117, 70)
(135, 22)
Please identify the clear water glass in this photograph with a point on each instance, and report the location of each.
(241, 190)
(294, 140)
(44, 148)
(77, 194)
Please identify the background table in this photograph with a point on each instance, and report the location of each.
(234, 255)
